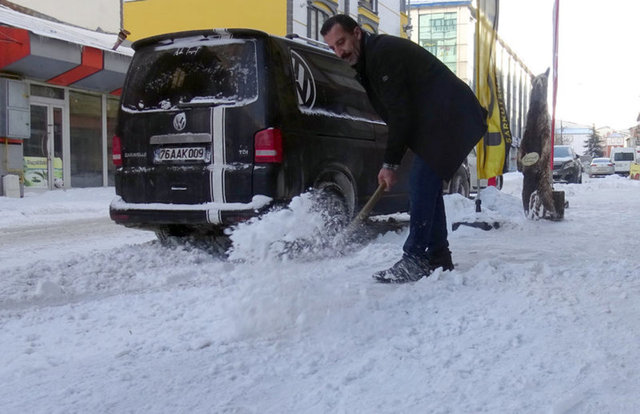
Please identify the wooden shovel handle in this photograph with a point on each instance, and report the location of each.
(371, 203)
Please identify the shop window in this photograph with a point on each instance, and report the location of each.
(85, 113)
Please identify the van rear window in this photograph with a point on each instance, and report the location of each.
(190, 72)
(623, 156)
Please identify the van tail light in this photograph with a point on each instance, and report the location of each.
(268, 146)
(117, 151)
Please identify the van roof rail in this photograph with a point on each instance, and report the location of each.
(313, 42)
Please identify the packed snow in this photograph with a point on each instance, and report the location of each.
(537, 317)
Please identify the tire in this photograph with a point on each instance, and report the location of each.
(460, 184)
(172, 234)
(499, 182)
(577, 179)
(336, 198)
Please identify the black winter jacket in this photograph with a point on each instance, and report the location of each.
(427, 108)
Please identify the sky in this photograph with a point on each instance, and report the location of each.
(598, 80)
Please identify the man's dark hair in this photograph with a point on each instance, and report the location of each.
(347, 23)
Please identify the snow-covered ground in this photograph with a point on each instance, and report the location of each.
(538, 317)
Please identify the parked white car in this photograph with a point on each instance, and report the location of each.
(601, 166)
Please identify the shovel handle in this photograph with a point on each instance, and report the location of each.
(371, 203)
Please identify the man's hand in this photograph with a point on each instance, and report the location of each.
(387, 176)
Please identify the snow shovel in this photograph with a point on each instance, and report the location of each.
(340, 239)
(366, 209)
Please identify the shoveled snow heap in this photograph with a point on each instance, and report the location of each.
(538, 317)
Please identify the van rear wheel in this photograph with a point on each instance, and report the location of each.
(336, 199)
(171, 233)
(333, 206)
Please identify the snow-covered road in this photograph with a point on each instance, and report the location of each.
(27, 244)
(538, 317)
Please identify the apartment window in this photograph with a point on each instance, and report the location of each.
(369, 4)
(438, 33)
(316, 19)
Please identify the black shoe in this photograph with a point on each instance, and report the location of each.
(441, 258)
(407, 269)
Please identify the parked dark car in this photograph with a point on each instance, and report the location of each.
(217, 126)
(566, 165)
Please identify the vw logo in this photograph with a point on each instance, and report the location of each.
(305, 84)
(180, 121)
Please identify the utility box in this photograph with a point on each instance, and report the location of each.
(15, 115)
(11, 186)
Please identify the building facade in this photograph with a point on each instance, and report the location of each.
(145, 18)
(447, 29)
(59, 92)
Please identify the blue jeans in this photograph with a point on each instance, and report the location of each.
(428, 223)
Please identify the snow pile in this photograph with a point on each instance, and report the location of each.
(270, 236)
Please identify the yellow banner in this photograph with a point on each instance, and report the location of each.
(634, 171)
(493, 148)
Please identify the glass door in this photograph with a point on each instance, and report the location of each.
(43, 152)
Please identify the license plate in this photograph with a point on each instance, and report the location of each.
(180, 154)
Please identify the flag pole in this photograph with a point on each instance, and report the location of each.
(556, 23)
(476, 56)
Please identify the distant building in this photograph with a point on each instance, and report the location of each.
(634, 134)
(615, 139)
(576, 135)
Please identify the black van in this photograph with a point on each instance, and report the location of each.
(216, 126)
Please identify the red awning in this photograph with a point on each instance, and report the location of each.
(60, 62)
